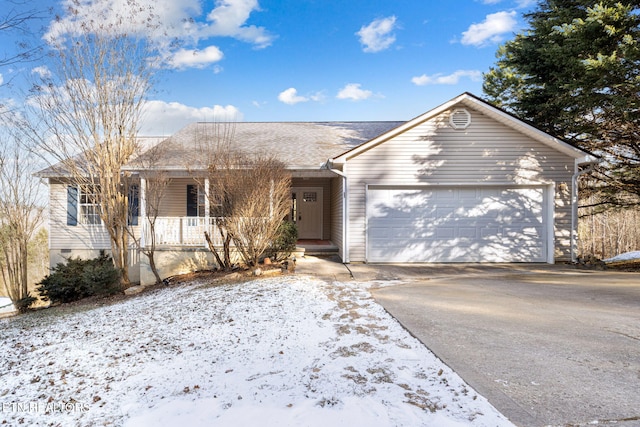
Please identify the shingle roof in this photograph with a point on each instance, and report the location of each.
(300, 145)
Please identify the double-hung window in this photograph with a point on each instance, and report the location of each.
(197, 202)
(83, 206)
(89, 205)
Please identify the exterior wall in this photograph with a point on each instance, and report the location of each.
(433, 153)
(181, 260)
(171, 262)
(337, 206)
(81, 240)
(63, 236)
(325, 184)
(174, 202)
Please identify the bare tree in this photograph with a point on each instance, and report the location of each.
(17, 18)
(248, 194)
(20, 216)
(86, 115)
(153, 187)
(261, 196)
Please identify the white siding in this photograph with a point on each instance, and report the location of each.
(63, 236)
(337, 227)
(432, 153)
(174, 201)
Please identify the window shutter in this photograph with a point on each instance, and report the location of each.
(72, 205)
(134, 204)
(192, 200)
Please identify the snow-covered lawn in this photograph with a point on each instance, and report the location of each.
(286, 351)
(5, 305)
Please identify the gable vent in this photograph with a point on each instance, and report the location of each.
(460, 119)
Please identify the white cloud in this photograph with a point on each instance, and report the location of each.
(1, 79)
(378, 36)
(165, 118)
(155, 18)
(41, 71)
(191, 58)
(228, 19)
(163, 21)
(491, 30)
(526, 3)
(451, 79)
(290, 96)
(352, 91)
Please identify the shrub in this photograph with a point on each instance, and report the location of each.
(285, 243)
(23, 304)
(79, 279)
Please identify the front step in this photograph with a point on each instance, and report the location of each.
(315, 248)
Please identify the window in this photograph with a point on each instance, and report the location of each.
(196, 202)
(83, 204)
(89, 205)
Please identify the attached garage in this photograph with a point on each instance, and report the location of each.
(457, 224)
(464, 182)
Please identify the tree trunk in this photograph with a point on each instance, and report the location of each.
(152, 264)
(213, 250)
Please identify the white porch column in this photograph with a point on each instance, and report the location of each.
(143, 212)
(207, 202)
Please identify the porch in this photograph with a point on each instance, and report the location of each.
(189, 232)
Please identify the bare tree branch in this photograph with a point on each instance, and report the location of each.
(84, 119)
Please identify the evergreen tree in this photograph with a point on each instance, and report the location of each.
(575, 73)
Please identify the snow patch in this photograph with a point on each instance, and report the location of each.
(627, 256)
(290, 351)
(6, 306)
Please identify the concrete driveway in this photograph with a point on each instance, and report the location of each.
(547, 345)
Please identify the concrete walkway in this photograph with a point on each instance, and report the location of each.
(548, 345)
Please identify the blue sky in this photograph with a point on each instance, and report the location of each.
(316, 60)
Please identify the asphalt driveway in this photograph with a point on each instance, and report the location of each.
(547, 345)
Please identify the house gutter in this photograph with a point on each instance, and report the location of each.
(590, 162)
(345, 208)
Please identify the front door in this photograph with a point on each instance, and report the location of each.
(306, 211)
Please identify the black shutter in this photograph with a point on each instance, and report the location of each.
(134, 204)
(72, 205)
(192, 200)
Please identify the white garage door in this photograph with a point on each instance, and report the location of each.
(456, 224)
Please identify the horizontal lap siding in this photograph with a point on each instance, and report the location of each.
(174, 200)
(63, 236)
(337, 204)
(487, 152)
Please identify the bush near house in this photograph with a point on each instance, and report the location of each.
(285, 243)
(79, 279)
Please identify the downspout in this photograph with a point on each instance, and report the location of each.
(574, 203)
(345, 207)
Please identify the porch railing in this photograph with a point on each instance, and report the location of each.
(183, 231)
